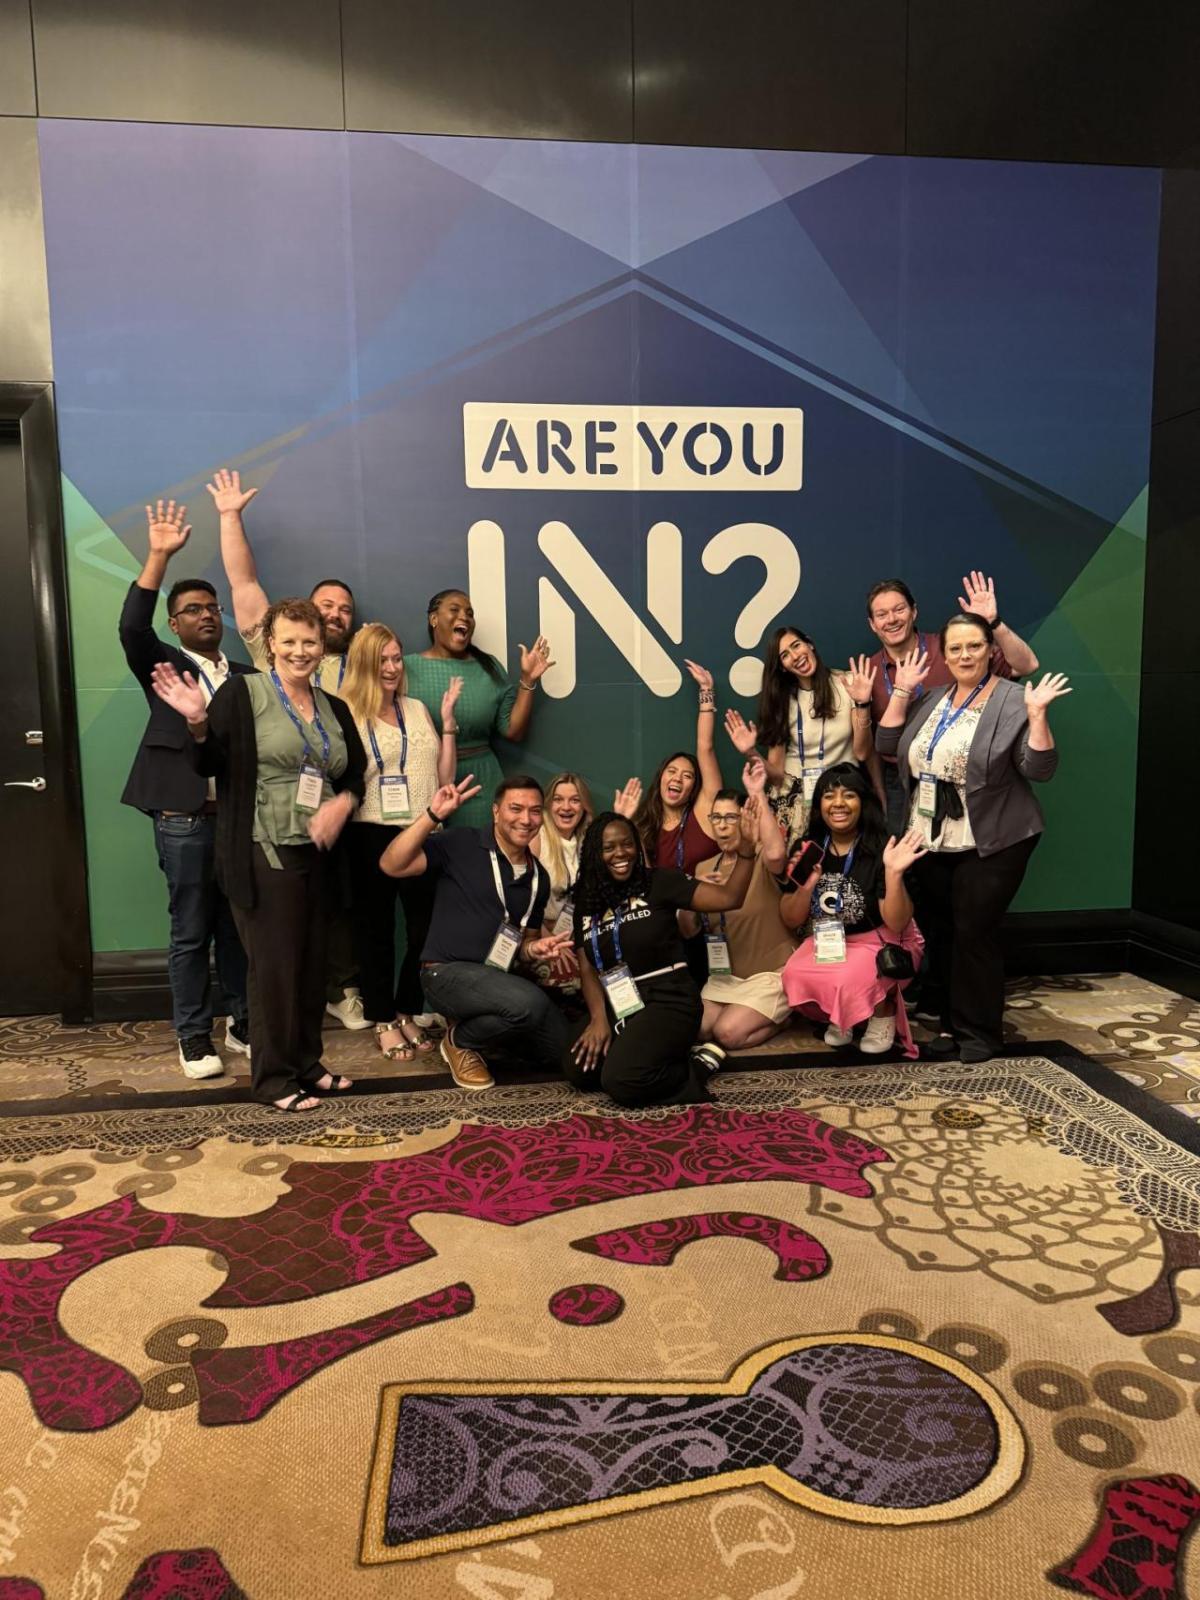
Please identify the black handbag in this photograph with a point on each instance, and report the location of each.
(893, 961)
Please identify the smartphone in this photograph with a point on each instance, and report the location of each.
(810, 856)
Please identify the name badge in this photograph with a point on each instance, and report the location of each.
(565, 921)
(926, 795)
(621, 988)
(309, 786)
(504, 946)
(829, 940)
(393, 800)
(718, 956)
(808, 783)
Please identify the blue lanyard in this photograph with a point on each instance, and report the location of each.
(403, 738)
(890, 683)
(949, 716)
(341, 668)
(847, 865)
(708, 924)
(316, 722)
(616, 938)
(800, 736)
(683, 822)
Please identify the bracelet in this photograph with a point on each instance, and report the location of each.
(904, 692)
(861, 705)
(528, 687)
(712, 710)
(750, 857)
(999, 623)
(449, 732)
(707, 697)
(433, 816)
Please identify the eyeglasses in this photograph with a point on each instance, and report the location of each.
(212, 609)
(724, 816)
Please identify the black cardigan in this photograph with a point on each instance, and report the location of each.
(230, 755)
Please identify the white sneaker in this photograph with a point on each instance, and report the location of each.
(235, 1040)
(835, 1038)
(198, 1058)
(429, 1019)
(349, 1011)
(880, 1035)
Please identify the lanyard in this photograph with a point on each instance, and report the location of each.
(890, 683)
(533, 873)
(316, 722)
(800, 736)
(949, 716)
(201, 674)
(341, 669)
(683, 822)
(847, 865)
(403, 738)
(616, 939)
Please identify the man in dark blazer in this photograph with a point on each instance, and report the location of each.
(164, 784)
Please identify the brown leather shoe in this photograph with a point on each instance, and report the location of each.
(467, 1067)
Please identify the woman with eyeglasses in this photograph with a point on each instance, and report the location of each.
(967, 755)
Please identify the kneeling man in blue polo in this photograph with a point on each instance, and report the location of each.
(489, 901)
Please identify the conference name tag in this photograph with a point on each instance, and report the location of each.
(504, 946)
(718, 955)
(808, 781)
(565, 921)
(927, 795)
(394, 803)
(621, 988)
(829, 940)
(309, 785)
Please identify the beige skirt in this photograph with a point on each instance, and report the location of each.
(762, 993)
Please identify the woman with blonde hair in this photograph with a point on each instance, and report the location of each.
(406, 763)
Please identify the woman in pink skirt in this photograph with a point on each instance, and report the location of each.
(856, 901)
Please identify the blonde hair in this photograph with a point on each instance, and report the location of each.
(550, 850)
(360, 690)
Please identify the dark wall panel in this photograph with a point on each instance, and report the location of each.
(532, 69)
(1169, 642)
(24, 300)
(272, 63)
(775, 74)
(17, 97)
(1055, 80)
(1177, 344)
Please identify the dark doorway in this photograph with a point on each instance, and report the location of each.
(44, 930)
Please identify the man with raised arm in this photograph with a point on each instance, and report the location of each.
(164, 784)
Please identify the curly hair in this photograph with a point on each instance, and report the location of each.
(294, 609)
(596, 890)
(778, 687)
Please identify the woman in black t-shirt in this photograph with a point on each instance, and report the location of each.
(635, 1044)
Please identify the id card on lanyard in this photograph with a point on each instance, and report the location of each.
(808, 775)
(927, 781)
(310, 783)
(716, 946)
(829, 932)
(394, 802)
(619, 983)
(508, 936)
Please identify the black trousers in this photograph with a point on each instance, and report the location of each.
(284, 936)
(647, 1062)
(960, 897)
(384, 993)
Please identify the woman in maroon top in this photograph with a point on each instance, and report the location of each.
(672, 818)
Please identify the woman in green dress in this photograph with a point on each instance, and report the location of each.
(489, 705)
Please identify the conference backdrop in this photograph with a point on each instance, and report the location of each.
(650, 401)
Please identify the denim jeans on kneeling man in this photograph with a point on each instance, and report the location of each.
(490, 1008)
(200, 917)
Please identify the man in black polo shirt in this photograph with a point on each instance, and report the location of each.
(488, 906)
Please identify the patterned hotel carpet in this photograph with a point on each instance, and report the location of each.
(886, 1331)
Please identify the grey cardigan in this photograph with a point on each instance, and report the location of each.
(1001, 806)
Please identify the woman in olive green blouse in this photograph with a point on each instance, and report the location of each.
(489, 707)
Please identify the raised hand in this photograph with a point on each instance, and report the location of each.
(536, 661)
(743, 734)
(627, 800)
(754, 776)
(450, 699)
(166, 529)
(980, 597)
(748, 820)
(912, 669)
(807, 885)
(860, 678)
(900, 854)
(590, 1047)
(1052, 687)
(181, 694)
(702, 676)
(452, 795)
(227, 492)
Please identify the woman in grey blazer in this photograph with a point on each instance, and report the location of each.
(966, 755)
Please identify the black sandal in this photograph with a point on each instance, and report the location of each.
(333, 1089)
(291, 1103)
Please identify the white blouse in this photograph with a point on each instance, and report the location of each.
(421, 765)
(950, 763)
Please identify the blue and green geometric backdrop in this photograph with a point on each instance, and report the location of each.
(970, 344)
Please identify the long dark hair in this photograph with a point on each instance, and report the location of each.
(596, 890)
(778, 687)
(488, 663)
(649, 819)
(872, 825)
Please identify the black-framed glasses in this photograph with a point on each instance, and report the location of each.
(212, 609)
(724, 816)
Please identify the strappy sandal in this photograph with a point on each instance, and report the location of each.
(415, 1035)
(393, 1052)
(291, 1103)
(337, 1085)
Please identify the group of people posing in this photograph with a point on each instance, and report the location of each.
(884, 821)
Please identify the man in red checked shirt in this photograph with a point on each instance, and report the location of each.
(892, 617)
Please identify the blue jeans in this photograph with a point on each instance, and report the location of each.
(491, 1008)
(200, 917)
